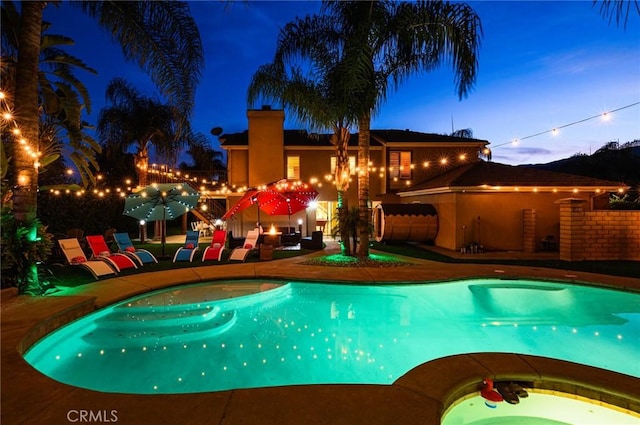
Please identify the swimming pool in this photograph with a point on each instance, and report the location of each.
(202, 338)
(539, 408)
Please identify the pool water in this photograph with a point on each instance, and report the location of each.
(247, 334)
(539, 408)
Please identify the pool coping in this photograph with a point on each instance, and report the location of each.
(30, 397)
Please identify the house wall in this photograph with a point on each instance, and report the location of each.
(494, 220)
(445, 205)
(237, 167)
(426, 161)
(266, 162)
(598, 235)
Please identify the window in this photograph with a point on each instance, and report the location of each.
(293, 167)
(400, 164)
(352, 165)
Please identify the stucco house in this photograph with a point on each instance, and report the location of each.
(499, 206)
(491, 204)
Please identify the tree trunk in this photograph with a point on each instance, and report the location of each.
(364, 130)
(342, 174)
(141, 160)
(343, 220)
(25, 184)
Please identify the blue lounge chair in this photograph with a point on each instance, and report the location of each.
(126, 247)
(188, 250)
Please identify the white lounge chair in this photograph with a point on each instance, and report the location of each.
(250, 243)
(75, 256)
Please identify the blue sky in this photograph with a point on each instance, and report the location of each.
(543, 64)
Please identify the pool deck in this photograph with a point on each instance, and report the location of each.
(419, 397)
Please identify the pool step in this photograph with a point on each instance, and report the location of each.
(120, 333)
(157, 316)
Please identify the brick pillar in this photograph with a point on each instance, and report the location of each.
(572, 229)
(529, 230)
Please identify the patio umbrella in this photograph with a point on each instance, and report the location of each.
(161, 201)
(286, 197)
(245, 202)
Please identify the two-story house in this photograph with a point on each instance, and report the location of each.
(499, 206)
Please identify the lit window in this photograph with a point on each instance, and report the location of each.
(400, 164)
(293, 167)
(352, 165)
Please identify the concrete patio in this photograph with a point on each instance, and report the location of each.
(28, 397)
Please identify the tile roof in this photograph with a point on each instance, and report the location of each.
(378, 138)
(395, 136)
(494, 174)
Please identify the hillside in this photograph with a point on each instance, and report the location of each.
(618, 163)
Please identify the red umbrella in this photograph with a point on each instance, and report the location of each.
(245, 202)
(285, 197)
(282, 197)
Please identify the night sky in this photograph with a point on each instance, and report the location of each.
(543, 65)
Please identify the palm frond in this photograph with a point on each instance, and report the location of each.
(162, 38)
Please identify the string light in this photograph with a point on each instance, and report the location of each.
(9, 119)
(217, 188)
(604, 116)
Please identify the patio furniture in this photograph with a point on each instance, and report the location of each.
(290, 239)
(215, 250)
(202, 227)
(266, 252)
(273, 239)
(108, 235)
(188, 250)
(76, 257)
(549, 243)
(125, 246)
(78, 234)
(313, 242)
(101, 251)
(234, 242)
(320, 225)
(250, 243)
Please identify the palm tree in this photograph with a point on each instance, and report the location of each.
(160, 36)
(381, 43)
(61, 96)
(208, 163)
(139, 121)
(317, 99)
(618, 9)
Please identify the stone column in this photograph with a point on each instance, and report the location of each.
(572, 230)
(529, 230)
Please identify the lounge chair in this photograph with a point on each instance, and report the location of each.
(101, 251)
(313, 242)
(126, 247)
(188, 250)
(234, 242)
(75, 256)
(215, 250)
(250, 243)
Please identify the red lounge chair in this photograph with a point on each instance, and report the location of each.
(215, 250)
(75, 256)
(101, 251)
